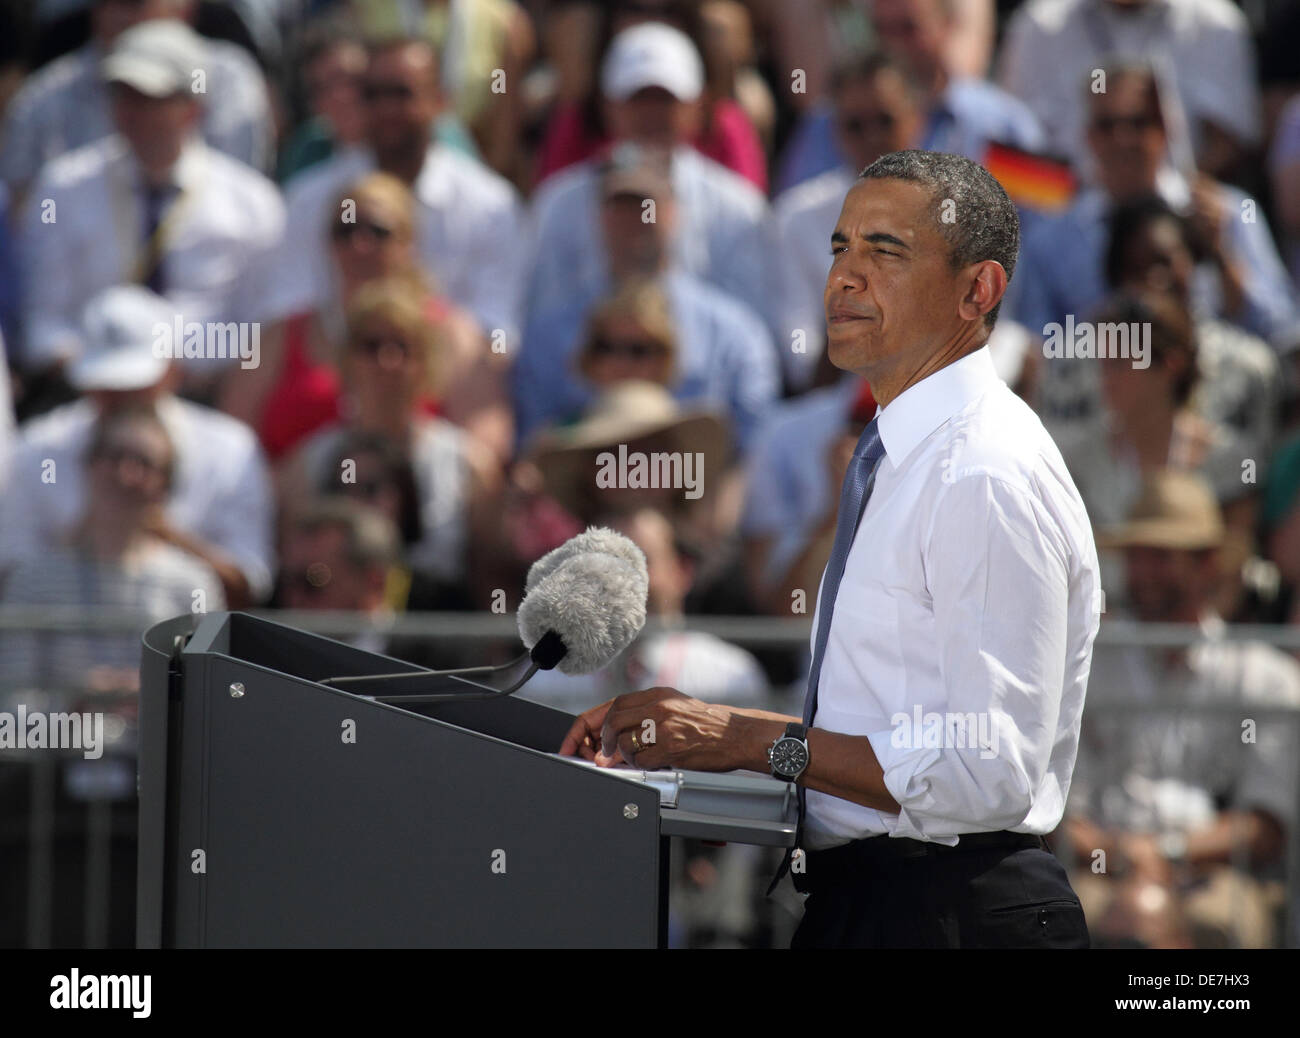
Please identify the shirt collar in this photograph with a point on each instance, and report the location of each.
(920, 409)
(186, 171)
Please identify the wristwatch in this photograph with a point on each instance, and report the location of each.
(789, 756)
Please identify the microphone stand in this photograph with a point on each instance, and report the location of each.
(477, 690)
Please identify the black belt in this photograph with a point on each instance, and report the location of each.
(847, 863)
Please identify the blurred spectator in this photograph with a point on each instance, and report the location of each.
(468, 233)
(1151, 421)
(1179, 797)
(331, 63)
(65, 104)
(878, 108)
(1284, 169)
(963, 114)
(635, 448)
(1061, 270)
(694, 662)
(706, 107)
(151, 203)
(391, 363)
(792, 494)
(296, 388)
(1053, 49)
(113, 559)
(650, 79)
(728, 48)
(219, 508)
(1153, 249)
(724, 354)
(337, 554)
(485, 47)
(380, 476)
(816, 37)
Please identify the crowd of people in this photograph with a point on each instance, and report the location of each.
(345, 304)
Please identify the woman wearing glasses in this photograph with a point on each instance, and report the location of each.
(296, 390)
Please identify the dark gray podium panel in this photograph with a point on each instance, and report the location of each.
(421, 833)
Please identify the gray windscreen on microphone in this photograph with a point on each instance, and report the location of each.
(590, 592)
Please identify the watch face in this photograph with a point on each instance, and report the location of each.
(789, 757)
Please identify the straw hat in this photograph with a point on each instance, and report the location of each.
(1175, 510)
(624, 414)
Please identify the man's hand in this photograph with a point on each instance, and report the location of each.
(671, 730)
(583, 739)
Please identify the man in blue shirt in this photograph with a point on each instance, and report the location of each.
(725, 354)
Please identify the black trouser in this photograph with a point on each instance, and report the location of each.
(993, 890)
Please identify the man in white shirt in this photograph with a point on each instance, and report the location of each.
(954, 628)
(1053, 49)
(150, 204)
(65, 104)
(469, 221)
(220, 508)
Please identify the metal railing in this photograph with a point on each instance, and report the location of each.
(48, 818)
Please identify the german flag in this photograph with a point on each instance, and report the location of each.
(1033, 181)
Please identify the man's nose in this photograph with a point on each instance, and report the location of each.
(845, 277)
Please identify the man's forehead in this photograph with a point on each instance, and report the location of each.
(895, 206)
(1124, 91)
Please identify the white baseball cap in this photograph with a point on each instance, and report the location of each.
(652, 55)
(119, 325)
(157, 57)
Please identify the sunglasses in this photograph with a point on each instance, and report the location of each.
(117, 455)
(305, 585)
(855, 124)
(373, 92)
(638, 350)
(374, 346)
(366, 488)
(1111, 123)
(378, 231)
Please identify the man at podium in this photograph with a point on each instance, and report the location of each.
(955, 619)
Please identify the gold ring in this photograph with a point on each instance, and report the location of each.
(636, 745)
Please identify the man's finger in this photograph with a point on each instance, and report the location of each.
(586, 724)
(630, 719)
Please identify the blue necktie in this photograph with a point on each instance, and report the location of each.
(858, 481)
(155, 206)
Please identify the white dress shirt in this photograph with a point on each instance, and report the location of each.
(222, 491)
(469, 231)
(971, 587)
(83, 231)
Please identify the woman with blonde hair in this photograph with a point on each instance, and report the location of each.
(296, 389)
(630, 335)
(392, 361)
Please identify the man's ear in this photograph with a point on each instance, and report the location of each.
(987, 286)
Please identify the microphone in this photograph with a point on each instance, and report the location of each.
(594, 539)
(585, 603)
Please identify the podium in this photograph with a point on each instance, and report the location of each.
(278, 811)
